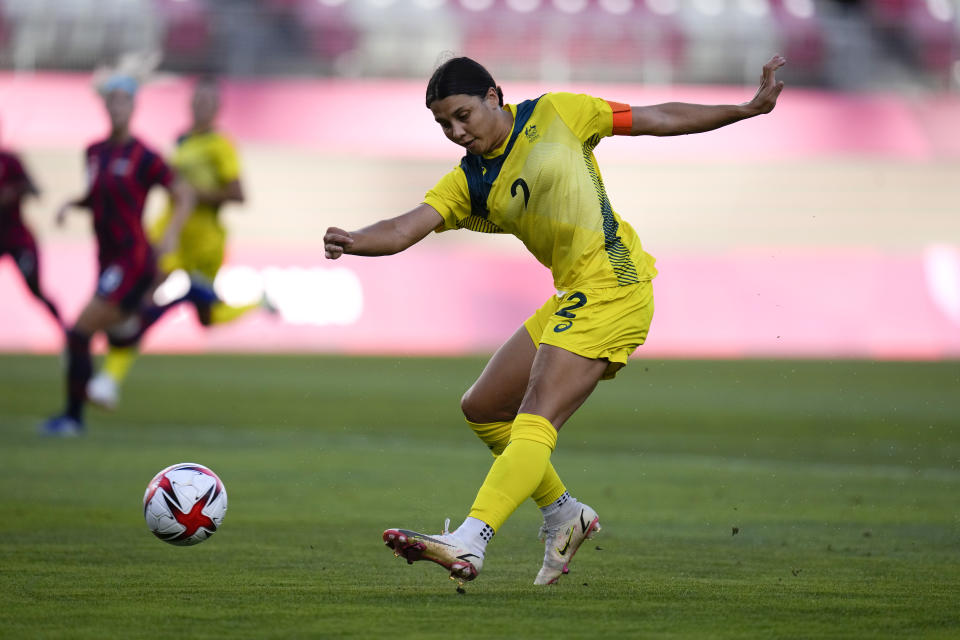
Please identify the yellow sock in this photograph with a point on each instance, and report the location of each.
(496, 435)
(517, 472)
(221, 312)
(550, 488)
(118, 361)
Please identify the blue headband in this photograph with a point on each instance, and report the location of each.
(121, 82)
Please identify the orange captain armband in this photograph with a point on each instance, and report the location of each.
(622, 118)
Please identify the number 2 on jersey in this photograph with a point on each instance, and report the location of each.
(520, 182)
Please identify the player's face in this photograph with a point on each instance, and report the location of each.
(470, 121)
(205, 103)
(119, 108)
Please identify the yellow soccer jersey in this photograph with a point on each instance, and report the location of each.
(207, 161)
(544, 187)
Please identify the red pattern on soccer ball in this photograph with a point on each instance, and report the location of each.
(195, 518)
(159, 482)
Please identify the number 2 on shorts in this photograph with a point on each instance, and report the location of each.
(578, 300)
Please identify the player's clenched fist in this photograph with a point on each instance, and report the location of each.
(336, 241)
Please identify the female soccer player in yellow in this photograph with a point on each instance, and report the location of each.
(529, 170)
(207, 161)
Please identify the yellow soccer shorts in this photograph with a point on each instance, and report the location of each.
(201, 246)
(607, 324)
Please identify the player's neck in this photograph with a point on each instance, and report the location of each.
(120, 136)
(505, 120)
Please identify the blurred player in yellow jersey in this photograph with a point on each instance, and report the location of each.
(530, 171)
(208, 162)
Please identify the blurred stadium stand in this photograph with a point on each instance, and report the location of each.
(843, 44)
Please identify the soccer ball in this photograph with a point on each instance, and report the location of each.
(184, 504)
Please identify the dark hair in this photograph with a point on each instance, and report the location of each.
(460, 76)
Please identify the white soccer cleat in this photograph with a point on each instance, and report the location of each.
(445, 549)
(103, 391)
(562, 542)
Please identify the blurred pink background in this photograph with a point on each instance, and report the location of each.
(804, 300)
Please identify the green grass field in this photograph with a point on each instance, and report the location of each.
(842, 480)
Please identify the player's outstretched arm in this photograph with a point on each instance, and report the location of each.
(383, 238)
(230, 192)
(679, 118)
(184, 199)
(64, 210)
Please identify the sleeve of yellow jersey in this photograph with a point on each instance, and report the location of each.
(451, 198)
(227, 161)
(588, 116)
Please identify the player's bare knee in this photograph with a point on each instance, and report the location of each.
(482, 409)
(474, 408)
(470, 408)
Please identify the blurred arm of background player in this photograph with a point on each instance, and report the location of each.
(78, 203)
(184, 198)
(230, 192)
(383, 238)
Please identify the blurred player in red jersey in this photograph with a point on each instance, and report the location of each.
(120, 172)
(207, 160)
(15, 238)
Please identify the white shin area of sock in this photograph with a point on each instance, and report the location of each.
(566, 507)
(475, 533)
